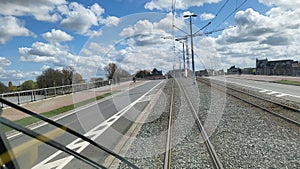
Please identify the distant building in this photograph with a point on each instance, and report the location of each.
(234, 70)
(156, 72)
(152, 75)
(249, 71)
(209, 72)
(202, 73)
(279, 67)
(296, 69)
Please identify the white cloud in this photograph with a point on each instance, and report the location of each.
(275, 35)
(88, 66)
(14, 75)
(54, 55)
(57, 36)
(71, 15)
(207, 16)
(187, 13)
(77, 17)
(250, 26)
(42, 10)
(180, 4)
(47, 53)
(94, 33)
(131, 58)
(111, 21)
(286, 4)
(142, 43)
(4, 62)
(166, 23)
(11, 27)
(45, 67)
(145, 32)
(139, 58)
(101, 49)
(141, 27)
(17, 75)
(97, 9)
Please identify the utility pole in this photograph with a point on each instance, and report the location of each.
(183, 54)
(183, 57)
(192, 46)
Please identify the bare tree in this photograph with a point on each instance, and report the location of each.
(51, 77)
(68, 73)
(110, 70)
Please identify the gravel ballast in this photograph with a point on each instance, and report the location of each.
(243, 136)
(247, 137)
(188, 150)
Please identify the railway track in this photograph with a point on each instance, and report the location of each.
(212, 153)
(285, 112)
(167, 161)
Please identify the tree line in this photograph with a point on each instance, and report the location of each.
(56, 77)
(49, 78)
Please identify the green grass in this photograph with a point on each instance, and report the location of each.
(288, 82)
(31, 120)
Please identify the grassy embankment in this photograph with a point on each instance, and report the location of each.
(287, 82)
(31, 120)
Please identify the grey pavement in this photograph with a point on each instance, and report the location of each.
(53, 103)
(104, 122)
(280, 91)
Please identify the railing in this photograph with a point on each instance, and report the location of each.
(40, 94)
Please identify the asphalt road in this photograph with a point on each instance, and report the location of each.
(287, 92)
(104, 123)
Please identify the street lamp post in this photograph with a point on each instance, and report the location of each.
(183, 53)
(183, 56)
(185, 42)
(192, 46)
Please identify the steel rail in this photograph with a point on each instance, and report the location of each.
(167, 161)
(207, 142)
(265, 99)
(261, 107)
(69, 130)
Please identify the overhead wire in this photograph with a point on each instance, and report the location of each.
(237, 8)
(219, 11)
(173, 25)
(211, 21)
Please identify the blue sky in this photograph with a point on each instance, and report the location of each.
(88, 34)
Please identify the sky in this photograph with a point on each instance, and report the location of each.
(138, 34)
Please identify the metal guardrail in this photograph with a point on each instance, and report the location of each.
(7, 158)
(40, 94)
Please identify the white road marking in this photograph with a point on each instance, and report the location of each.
(258, 88)
(93, 134)
(60, 117)
(263, 91)
(272, 92)
(147, 98)
(281, 95)
(70, 113)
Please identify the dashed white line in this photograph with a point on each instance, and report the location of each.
(67, 114)
(259, 89)
(263, 91)
(80, 145)
(272, 92)
(281, 95)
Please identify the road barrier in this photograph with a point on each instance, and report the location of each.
(44, 93)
